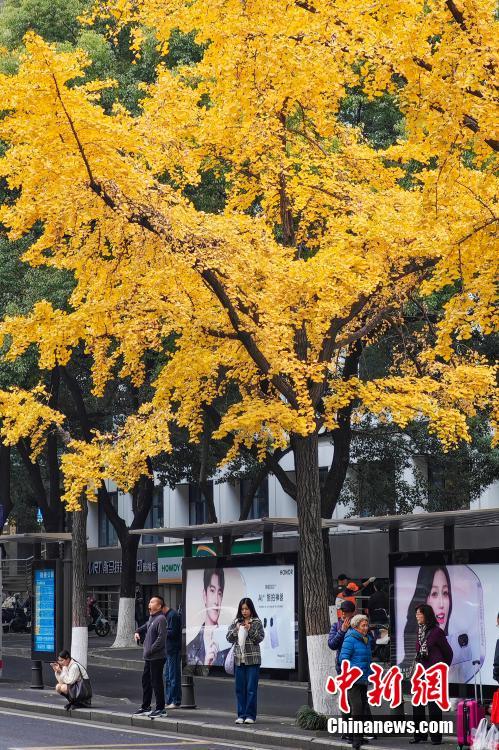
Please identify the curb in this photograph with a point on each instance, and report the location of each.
(267, 738)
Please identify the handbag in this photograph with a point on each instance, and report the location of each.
(81, 690)
(409, 669)
(494, 713)
(229, 661)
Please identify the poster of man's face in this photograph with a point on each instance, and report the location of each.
(212, 597)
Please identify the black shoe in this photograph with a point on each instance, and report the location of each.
(68, 706)
(143, 711)
(346, 737)
(158, 712)
(415, 740)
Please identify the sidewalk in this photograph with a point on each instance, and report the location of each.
(209, 721)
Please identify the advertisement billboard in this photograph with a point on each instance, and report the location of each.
(212, 591)
(465, 599)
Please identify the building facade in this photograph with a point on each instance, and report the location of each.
(183, 506)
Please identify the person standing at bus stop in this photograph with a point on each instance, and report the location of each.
(154, 634)
(173, 666)
(246, 633)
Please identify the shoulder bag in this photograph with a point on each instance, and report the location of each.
(81, 690)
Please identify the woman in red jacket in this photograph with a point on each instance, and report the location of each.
(431, 647)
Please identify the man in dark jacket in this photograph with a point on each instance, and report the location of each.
(378, 605)
(173, 668)
(154, 634)
(339, 629)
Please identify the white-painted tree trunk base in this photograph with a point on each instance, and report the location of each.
(79, 645)
(126, 624)
(321, 666)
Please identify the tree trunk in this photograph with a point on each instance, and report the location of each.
(328, 568)
(142, 499)
(126, 610)
(5, 489)
(308, 501)
(79, 640)
(342, 438)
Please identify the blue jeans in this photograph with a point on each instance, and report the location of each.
(247, 689)
(173, 679)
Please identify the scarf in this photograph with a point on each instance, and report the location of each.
(422, 636)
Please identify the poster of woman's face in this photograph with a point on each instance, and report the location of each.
(465, 600)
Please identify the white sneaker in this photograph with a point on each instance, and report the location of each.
(239, 720)
(249, 721)
(173, 705)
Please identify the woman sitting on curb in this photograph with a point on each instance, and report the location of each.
(72, 681)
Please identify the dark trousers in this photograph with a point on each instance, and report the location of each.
(359, 707)
(152, 679)
(173, 679)
(246, 689)
(434, 714)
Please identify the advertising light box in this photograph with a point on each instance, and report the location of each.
(465, 600)
(47, 599)
(213, 591)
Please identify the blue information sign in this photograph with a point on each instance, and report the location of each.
(45, 623)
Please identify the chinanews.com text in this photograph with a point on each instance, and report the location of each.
(387, 727)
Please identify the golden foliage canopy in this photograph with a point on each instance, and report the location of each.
(320, 244)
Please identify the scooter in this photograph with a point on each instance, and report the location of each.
(98, 622)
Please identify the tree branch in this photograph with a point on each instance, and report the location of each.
(77, 396)
(35, 475)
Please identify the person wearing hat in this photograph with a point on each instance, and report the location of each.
(336, 637)
(339, 629)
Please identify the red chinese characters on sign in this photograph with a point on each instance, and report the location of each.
(387, 686)
(342, 684)
(431, 684)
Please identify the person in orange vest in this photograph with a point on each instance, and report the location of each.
(348, 591)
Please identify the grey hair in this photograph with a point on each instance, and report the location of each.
(355, 621)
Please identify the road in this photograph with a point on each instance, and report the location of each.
(211, 693)
(21, 731)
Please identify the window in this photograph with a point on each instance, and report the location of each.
(198, 506)
(155, 518)
(260, 505)
(107, 534)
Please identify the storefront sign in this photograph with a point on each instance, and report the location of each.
(170, 556)
(112, 567)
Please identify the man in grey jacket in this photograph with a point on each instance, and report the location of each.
(153, 632)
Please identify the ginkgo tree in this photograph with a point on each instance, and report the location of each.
(322, 243)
